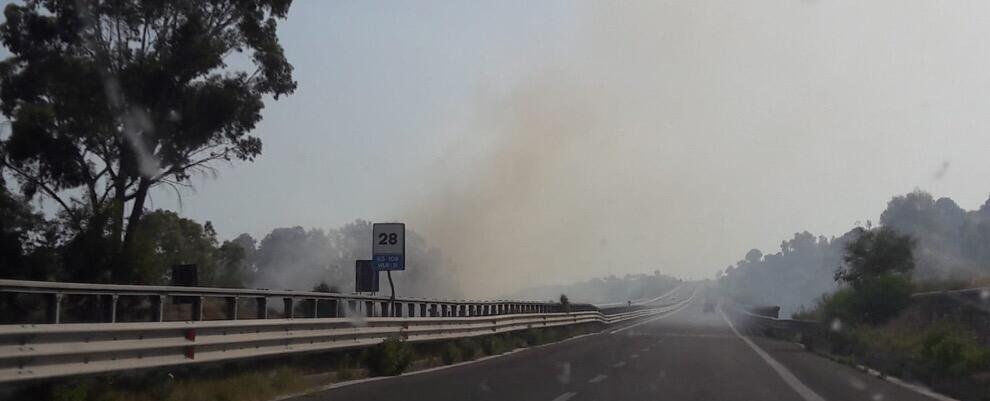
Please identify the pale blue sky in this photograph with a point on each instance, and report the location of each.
(379, 83)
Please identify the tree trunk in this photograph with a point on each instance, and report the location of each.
(116, 228)
(126, 274)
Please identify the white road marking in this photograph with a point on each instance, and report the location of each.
(634, 356)
(332, 386)
(619, 364)
(679, 308)
(597, 379)
(913, 387)
(565, 396)
(803, 390)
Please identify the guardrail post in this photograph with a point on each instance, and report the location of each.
(262, 305)
(386, 310)
(197, 308)
(54, 308)
(157, 308)
(231, 307)
(334, 307)
(316, 308)
(113, 308)
(411, 309)
(369, 308)
(422, 310)
(290, 310)
(433, 310)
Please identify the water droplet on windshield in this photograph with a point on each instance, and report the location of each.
(857, 383)
(564, 372)
(836, 325)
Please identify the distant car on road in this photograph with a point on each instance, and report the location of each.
(709, 306)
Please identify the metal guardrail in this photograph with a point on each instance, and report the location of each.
(799, 330)
(976, 297)
(640, 301)
(40, 351)
(256, 303)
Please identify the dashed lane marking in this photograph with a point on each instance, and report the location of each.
(565, 396)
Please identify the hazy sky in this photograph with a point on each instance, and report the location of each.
(543, 142)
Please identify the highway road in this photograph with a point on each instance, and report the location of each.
(688, 354)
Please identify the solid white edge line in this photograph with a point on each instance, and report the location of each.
(913, 387)
(332, 386)
(799, 387)
(922, 390)
(598, 378)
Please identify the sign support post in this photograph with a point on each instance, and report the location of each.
(391, 301)
(388, 252)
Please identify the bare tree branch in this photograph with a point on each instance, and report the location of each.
(44, 187)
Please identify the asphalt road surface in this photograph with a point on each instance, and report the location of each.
(689, 354)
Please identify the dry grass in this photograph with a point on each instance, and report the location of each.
(254, 386)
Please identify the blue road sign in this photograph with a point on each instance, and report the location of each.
(388, 250)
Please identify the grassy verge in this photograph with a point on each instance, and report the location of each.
(267, 379)
(946, 356)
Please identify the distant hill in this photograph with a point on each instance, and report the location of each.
(603, 290)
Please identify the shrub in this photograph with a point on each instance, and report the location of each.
(873, 301)
(389, 358)
(494, 345)
(469, 348)
(72, 391)
(565, 303)
(533, 337)
(949, 351)
(451, 354)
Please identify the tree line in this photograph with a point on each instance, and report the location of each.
(951, 247)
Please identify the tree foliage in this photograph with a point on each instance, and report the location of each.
(26, 240)
(110, 99)
(165, 239)
(298, 258)
(875, 253)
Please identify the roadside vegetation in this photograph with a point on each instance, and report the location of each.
(873, 321)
